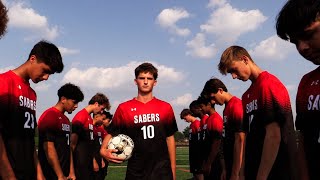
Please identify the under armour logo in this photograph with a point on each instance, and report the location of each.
(60, 118)
(248, 95)
(315, 82)
(19, 86)
(133, 109)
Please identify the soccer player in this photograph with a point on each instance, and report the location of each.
(267, 118)
(82, 136)
(107, 121)
(194, 143)
(3, 19)
(151, 124)
(299, 22)
(54, 152)
(99, 165)
(18, 102)
(211, 135)
(234, 136)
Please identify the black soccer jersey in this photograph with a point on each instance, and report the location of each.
(308, 119)
(54, 127)
(18, 123)
(266, 101)
(194, 147)
(148, 124)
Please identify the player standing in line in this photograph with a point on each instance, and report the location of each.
(196, 110)
(18, 156)
(211, 141)
(99, 165)
(299, 22)
(3, 19)
(194, 143)
(151, 124)
(82, 136)
(234, 135)
(267, 119)
(107, 121)
(54, 152)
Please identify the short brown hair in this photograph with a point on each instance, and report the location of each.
(101, 99)
(146, 68)
(232, 53)
(184, 113)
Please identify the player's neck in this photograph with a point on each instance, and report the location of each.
(144, 98)
(59, 107)
(22, 71)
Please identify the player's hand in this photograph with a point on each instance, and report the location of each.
(206, 168)
(235, 177)
(107, 154)
(223, 175)
(71, 176)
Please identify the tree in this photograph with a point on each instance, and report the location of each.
(186, 132)
(178, 136)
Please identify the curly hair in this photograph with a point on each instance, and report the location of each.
(3, 19)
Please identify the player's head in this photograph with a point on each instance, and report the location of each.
(146, 77)
(108, 119)
(45, 59)
(235, 60)
(195, 108)
(299, 22)
(69, 96)
(214, 90)
(99, 118)
(205, 104)
(100, 102)
(3, 19)
(186, 115)
(146, 68)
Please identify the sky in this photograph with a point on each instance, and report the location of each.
(102, 42)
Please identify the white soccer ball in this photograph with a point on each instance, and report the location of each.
(124, 144)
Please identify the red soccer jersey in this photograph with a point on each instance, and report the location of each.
(54, 127)
(82, 125)
(18, 123)
(266, 101)
(232, 120)
(148, 124)
(307, 121)
(211, 130)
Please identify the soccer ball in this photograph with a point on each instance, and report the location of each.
(124, 144)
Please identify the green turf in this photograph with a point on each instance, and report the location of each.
(118, 171)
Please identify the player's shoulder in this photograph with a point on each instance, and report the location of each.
(162, 102)
(311, 74)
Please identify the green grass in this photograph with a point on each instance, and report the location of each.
(118, 171)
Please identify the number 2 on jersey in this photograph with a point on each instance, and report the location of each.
(148, 132)
(29, 120)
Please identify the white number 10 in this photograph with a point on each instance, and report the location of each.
(148, 132)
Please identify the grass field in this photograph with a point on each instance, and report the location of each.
(117, 172)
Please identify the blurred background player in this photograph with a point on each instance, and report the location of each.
(233, 141)
(151, 124)
(267, 119)
(107, 120)
(99, 164)
(3, 19)
(213, 164)
(194, 143)
(54, 152)
(299, 22)
(18, 111)
(82, 138)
